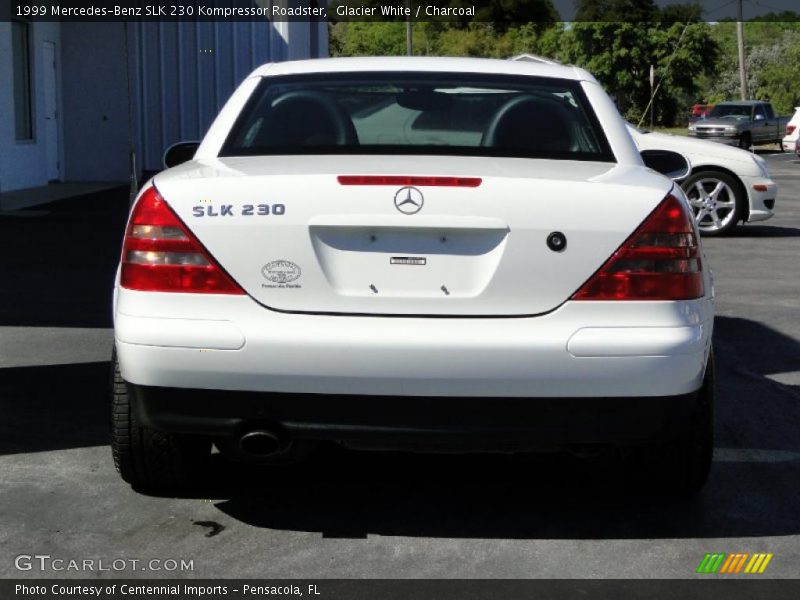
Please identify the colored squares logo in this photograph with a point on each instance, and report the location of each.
(737, 562)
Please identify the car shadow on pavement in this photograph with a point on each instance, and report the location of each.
(754, 488)
(764, 231)
(54, 407)
(59, 261)
(58, 269)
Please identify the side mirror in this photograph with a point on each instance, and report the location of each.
(671, 164)
(179, 153)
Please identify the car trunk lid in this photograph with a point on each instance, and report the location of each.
(405, 235)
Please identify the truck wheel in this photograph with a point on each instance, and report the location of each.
(681, 467)
(745, 141)
(717, 201)
(150, 459)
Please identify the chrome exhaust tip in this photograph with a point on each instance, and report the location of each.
(260, 442)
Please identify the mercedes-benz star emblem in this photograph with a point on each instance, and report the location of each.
(408, 200)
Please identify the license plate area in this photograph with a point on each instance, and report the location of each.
(408, 262)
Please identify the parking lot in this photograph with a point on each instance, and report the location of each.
(347, 514)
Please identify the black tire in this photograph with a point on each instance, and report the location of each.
(681, 467)
(150, 459)
(734, 189)
(745, 141)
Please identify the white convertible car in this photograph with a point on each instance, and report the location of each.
(414, 253)
(727, 185)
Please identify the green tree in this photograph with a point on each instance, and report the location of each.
(484, 40)
(500, 28)
(632, 11)
(772, 52)
(368, 38)
(681, 13)
(619, 55)
(780, 77)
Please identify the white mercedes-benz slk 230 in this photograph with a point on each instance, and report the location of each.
(413, 253)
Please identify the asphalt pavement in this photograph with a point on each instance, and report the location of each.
(348, 514)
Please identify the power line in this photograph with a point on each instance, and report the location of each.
(713, 10)
(666, 70)
(765, 5)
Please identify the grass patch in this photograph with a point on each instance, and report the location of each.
(672, 130)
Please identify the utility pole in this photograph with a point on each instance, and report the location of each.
(740, 39)
(652, 95)
(409, 45)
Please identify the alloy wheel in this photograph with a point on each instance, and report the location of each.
(713, 203)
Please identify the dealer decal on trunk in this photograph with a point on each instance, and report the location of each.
(281, 273)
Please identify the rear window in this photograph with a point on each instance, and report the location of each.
(412, 113)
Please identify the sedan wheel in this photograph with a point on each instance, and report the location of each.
(715, 201)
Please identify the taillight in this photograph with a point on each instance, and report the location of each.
(160, 254)
(660, 261)
(790, 129)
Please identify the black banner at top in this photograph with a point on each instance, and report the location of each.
(462, 11)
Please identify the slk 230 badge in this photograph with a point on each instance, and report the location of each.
(245, 210)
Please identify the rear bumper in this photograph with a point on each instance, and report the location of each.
(466, 423)
(580, 350)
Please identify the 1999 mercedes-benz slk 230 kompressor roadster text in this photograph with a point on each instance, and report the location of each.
(413, 253)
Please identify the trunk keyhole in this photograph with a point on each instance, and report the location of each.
(373, 288)
(557, 241)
